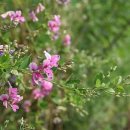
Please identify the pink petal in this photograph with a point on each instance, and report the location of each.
(5, 103)
(15, 107)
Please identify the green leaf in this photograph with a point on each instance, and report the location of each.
(4, 61)
(25, 62)
(98, 83)
(43, 104)
(73, 81)
(99, 76)
(120, 88)
(119, 79)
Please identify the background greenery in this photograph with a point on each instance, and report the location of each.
(100, 31)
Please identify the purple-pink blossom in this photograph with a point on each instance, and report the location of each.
(4, 98)
(37, 78)
(33, 66)
(37, 94)
(11, 99)
(49, 63)
(54, 24)
(33, 16)
(15, 16)
(42, 75)
(6, 14)
(42, 91)
(51, 60)
(14, 98)
(47, 87)
(26, 105)
(57, 19)
(49, 73)
(39, 8)
(33, 13)
(67, 40)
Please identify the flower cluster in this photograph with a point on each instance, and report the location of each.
(11, 99)
(54, 26)
(15, 16)
(44, 82)
(42, 75)
(33, 13)
(5, 49)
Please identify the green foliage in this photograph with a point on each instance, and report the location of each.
(91, 85)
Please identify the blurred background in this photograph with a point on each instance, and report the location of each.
(100, 31)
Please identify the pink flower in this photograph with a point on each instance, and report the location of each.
(43, 91)
(33, 16)
(39, 8)
(37, 94)
(16, 17)
(37, 78)
(26, 105)
(46, 63)
(49, 73)
(5, 15)
(57, 19)
(54, 60)
(13, 91)
(33, 13)
(12, 99)
(67, 40)
(47, 86)
(51, 61)
(4, 98)
(54, 25)
(44, 87)
(33, 66)
(14, 107)
(15, 98)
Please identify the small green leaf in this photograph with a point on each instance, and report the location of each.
(98, 83)
(73, 81)
(25, 62)
(119, 79)
(99, 76)
(4, 58)
(120, 88)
